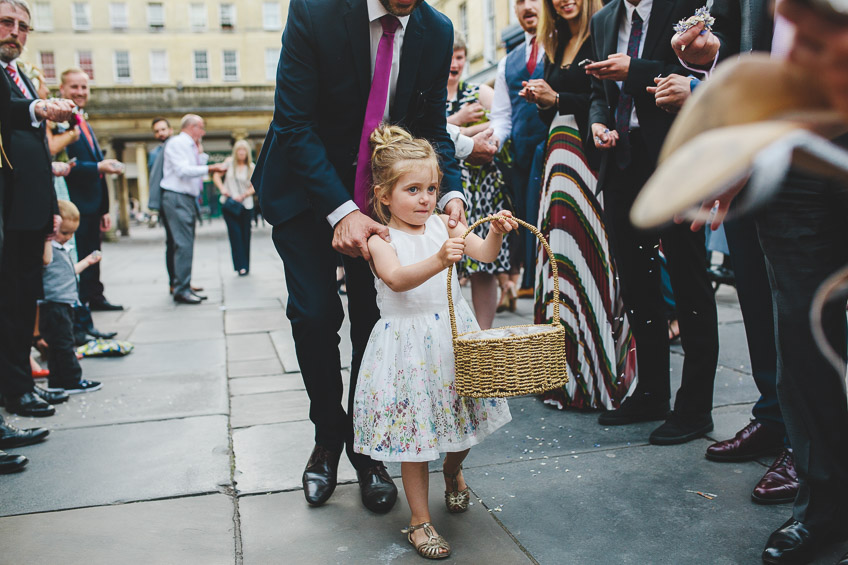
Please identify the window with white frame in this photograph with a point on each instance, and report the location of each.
(201, 65)
(197, 16)
(489, 31)
(272, 59)
(463, 21)
(85, 62)
(155, 15)
(81, 16)
(48, 66)
(159, 66)
(118, 15)
(271, 16)
(228, 16)
(122, 67)
(231, 67)
(42, 13)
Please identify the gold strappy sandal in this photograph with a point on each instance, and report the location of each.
(432, 548)
(456, 500)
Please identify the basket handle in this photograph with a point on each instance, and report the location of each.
(540, 237)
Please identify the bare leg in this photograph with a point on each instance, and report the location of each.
(451, 465)
(484, 297)
(416, 485)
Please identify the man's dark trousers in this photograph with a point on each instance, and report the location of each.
(88, 239)
(56, 325)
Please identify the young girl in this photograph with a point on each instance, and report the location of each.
(406, 408)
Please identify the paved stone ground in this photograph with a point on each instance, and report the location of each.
(193, 450)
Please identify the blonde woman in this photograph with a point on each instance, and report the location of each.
(237, 203)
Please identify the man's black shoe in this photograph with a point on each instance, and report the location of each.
(378, 491)
(843, 561)
(52, 396)
(29, 404)
(795, 542)
(12, 463)
(200, 296)
(681, 430)
(97, 334)
(320, 475)
(637, 408)
(187, 298)
(103, 306)
(11, 436)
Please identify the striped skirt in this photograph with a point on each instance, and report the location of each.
(599, 345)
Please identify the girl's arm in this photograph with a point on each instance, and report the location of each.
(83, 264)
(402, 278)
(218, 180)
(485, 250)
(47, 256)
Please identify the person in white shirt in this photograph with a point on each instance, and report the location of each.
(182, 180)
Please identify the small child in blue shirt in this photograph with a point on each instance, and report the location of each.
(56, 311)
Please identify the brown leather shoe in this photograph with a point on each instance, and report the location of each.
(780, 483)
(754, 440)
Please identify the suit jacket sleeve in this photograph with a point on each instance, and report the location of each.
(727, 27)
(296, 108)
(598, 109)
(20, 114)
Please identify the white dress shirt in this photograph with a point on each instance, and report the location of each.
(644, 11)
(376, 10)
(35, 121)
(184, 167)
(501, 115)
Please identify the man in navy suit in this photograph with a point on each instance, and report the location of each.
(305, 179)
(87, 188)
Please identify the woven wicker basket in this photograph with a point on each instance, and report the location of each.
(510, 360)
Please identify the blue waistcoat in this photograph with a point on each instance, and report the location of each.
(528, 130)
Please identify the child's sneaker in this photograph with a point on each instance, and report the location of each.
(83, 386)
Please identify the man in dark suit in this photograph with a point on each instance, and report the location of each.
(88, 190)
(305, 177)
(631, 42)
(30, 213)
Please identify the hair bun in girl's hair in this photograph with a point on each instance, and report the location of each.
(385, 136)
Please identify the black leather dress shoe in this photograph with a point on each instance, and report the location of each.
(200, 296)
(97, 334)
(11, 436)
(103, 306)
(29, 404)
(55, 396)
(320, 475)
(637, 408)
(378, 491)
(843, 561)
(796, 543)
(678, 429)
(187, 298)
(12, 463)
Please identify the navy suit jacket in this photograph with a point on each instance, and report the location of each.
(86, 186)
(323, 79)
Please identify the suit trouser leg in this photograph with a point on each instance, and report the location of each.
(182, 215)
(314, 308)
(245, 219)
(234, 235)
(56, 325)
(20, 288)
(169, 247)
(533, 195)
(754, 292)
(803, 234)
(88, 238)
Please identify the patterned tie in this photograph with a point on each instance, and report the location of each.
(16, 78)
(375, 109)
(625, 101)
(534, 55)
(86, 131)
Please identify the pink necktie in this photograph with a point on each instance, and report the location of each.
(534, 54)
(374, 110)
(16, 78)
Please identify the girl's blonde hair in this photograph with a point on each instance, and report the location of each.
(391, 146)
(242, 143)
(553, 33)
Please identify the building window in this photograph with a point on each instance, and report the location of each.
(86, 63)
(463, 21)
(228, 16)
(118, 15)
(159, 67)
(272, 59)
(489, 31)
(201, 65)
(155, 16)
(197, 17)
(122, 66)
(271, 15)
(81, 16)
(48, 66)
(43, 16)
(231, 70)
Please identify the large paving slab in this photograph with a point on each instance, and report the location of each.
(174, 358)
(254, 367)
(250, 347)
(282, 529)
(194, 530)
(255, 320)
(270, 383)
(165, 331)
(269, 408)
(120, 463)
